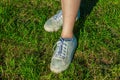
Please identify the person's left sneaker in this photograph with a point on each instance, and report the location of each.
(63, 54)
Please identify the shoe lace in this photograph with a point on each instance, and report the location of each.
(61, 49)
(58, 16)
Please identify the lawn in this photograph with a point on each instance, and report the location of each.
(26, 48)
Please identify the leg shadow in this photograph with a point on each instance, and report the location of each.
(85, 9)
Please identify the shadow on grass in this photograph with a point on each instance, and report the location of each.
(85, 9)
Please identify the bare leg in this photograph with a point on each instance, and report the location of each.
(70, 9)
(65, 47)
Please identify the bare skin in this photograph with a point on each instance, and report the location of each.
(70, 9)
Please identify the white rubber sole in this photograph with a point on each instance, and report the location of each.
(51, 29)
(57, 70)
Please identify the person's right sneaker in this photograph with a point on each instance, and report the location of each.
(63, 54)
(56, 21)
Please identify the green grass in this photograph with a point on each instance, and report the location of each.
(26, 49)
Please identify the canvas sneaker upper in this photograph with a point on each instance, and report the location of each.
(63, 54)
(56, 21)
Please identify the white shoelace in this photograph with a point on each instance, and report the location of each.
(58, 16)
(61, 49)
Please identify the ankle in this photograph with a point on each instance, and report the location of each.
(69, 35)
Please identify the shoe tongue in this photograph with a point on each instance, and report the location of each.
(61, 39)
(65, 39)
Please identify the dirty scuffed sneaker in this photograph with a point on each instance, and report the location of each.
(63, 54)
(56, 21)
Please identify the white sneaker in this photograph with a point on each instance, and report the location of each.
(63, 54)
(56, 21)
